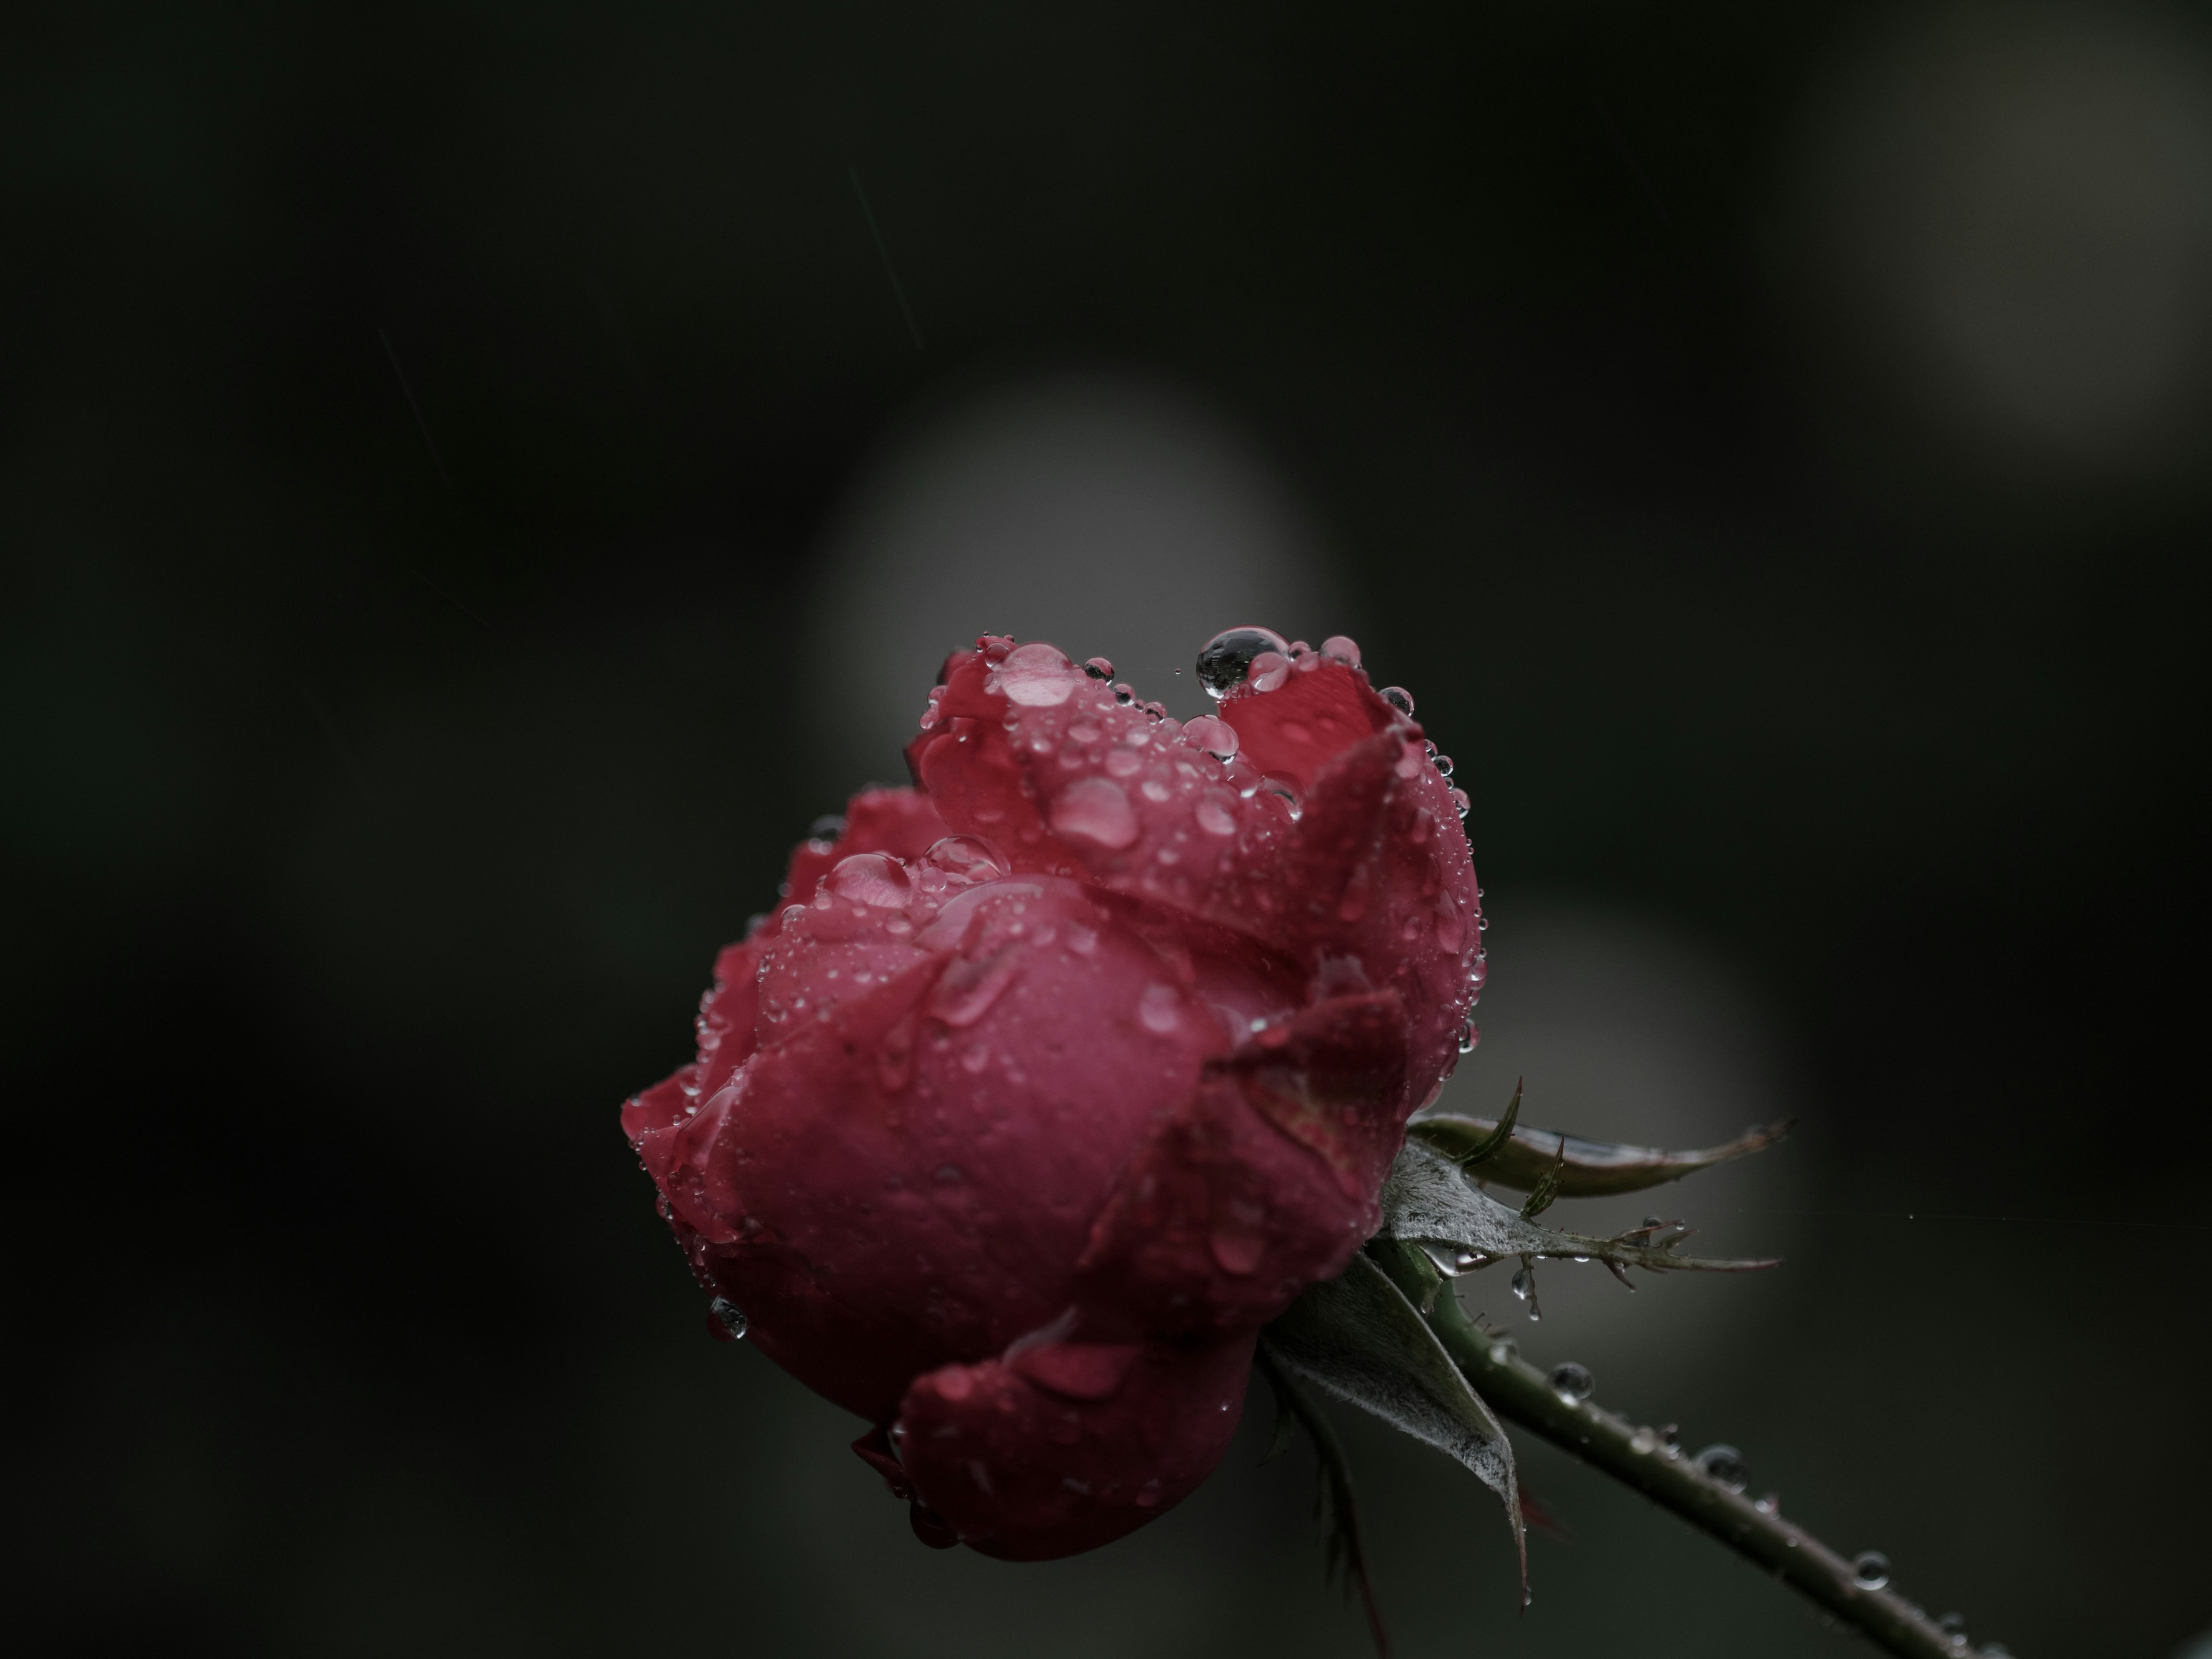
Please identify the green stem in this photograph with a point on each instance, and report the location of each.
(1517, 1390)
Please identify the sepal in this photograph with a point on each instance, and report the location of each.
(1356, 1337)
(1520, 1158)
(1428, 1201)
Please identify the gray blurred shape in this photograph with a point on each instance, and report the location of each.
(2005, 218)
(1624, 1029)
(1115, 516)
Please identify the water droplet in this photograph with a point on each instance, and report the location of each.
(873, 878)
(1770, 1503)
(1267, 671)
(828, 827)
(1096, 810)
(1099, 669)
(1462, 806)
(726, 1321)
(1215, 817)
(1224, 659)
(1504, 1350)
(1341, 647)
(975, 1057)
(1214, 735)
(1442, 1257)
(1954, 1626)
(1160, 1009)
(1467, 1261)
(1124, 693)
(1524, 1286)
(1036, 676)
(966, 990)
(1287, 792)
(1570, 1382)
(1443, 765)
(1723, 1464)
(1870, 1570)
(1399, 698)
(1468, 1036)
(969, 858)
(1670, 1437)
(1643, 1442)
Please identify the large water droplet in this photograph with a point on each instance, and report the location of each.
(1223, 659)
(1468, 1036)
(1570, 1382)
(871, 878)
(1723, 1464)
(1214, 817)
(1442, 1257)
(1341, 647)
(1444, 765)
(1267, 671)
(1098, 668)
(726, 1321)
(1096, 811)
(1870, 1570)
(1037, 676)
(1399, 698)
(1160, 1009)
(969, 858)
(1643, 1442)
(1214, 735)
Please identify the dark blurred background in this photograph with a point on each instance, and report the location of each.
(477, 480)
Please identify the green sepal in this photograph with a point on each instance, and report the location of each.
(1343, 1555)
(1357, 1336)
(1520, 1158)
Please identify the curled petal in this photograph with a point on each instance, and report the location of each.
(932, 1150)
(1297, 728)
(1262, 1182)
(1024, 1471)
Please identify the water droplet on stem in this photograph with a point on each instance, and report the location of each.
(1723, 1464)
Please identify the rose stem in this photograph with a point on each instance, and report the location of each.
(1518, 1390)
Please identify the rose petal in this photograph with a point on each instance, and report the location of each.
(1306, 720)
(1264, 1179)
(1026, 1474)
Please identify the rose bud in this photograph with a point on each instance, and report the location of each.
(1062, 1073)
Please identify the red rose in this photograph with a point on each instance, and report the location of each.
(1060, 1076)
